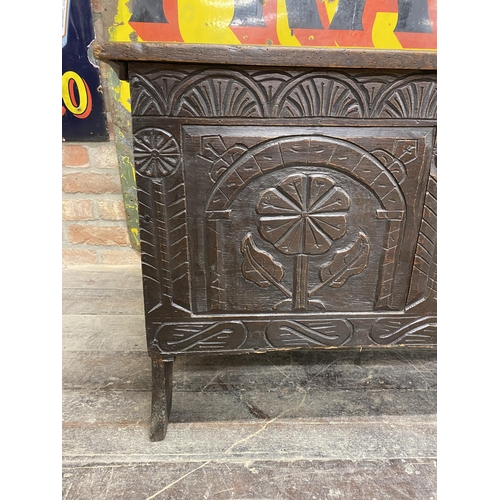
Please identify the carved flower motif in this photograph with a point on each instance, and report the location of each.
(156, 152)
(303, 214)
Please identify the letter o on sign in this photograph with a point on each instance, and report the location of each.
(81, 106)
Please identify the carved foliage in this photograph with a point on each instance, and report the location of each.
(259, 266)
(303, 215)
(345, 263)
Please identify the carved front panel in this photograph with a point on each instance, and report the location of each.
(275, 232)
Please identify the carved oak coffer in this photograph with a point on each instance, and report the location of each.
(283, 208)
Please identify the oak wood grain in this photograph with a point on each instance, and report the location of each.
(267, 56)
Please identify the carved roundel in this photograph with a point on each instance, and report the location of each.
(156, 152)
(304, 214)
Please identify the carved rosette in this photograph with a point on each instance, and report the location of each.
(304, 214)
(156, 152)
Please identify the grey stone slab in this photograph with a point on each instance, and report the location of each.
(134, 407)
(102, 301)
(348, 369)
(103, 277)
(388, 479)
(270, 371)
(281, 438)
(103, 333)
(96, 370)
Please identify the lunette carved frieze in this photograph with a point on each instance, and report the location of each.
(264, 93)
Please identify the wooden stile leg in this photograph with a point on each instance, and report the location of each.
(161, 397)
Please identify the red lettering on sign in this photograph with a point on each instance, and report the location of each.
(75, 102)
(161, 32)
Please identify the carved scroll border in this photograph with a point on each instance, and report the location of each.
(229, 334)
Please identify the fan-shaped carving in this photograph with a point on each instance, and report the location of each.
(212, 93)
(412, 97)
(148, 100)
(310, 95)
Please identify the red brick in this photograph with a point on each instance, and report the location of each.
(111, 210)
(84, 182)
(121, 257)
(76, 256)
(104, 156)
(98, 235)
(77, 210)
(74, 155)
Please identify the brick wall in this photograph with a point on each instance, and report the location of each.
(93, 213)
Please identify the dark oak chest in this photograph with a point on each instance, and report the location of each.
(283, 206)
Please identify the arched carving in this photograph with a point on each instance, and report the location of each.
(315, 151)
(411, 97)
(212, 93)
(148, 100)
(320, 94)
(312, 150)
(220, 92)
